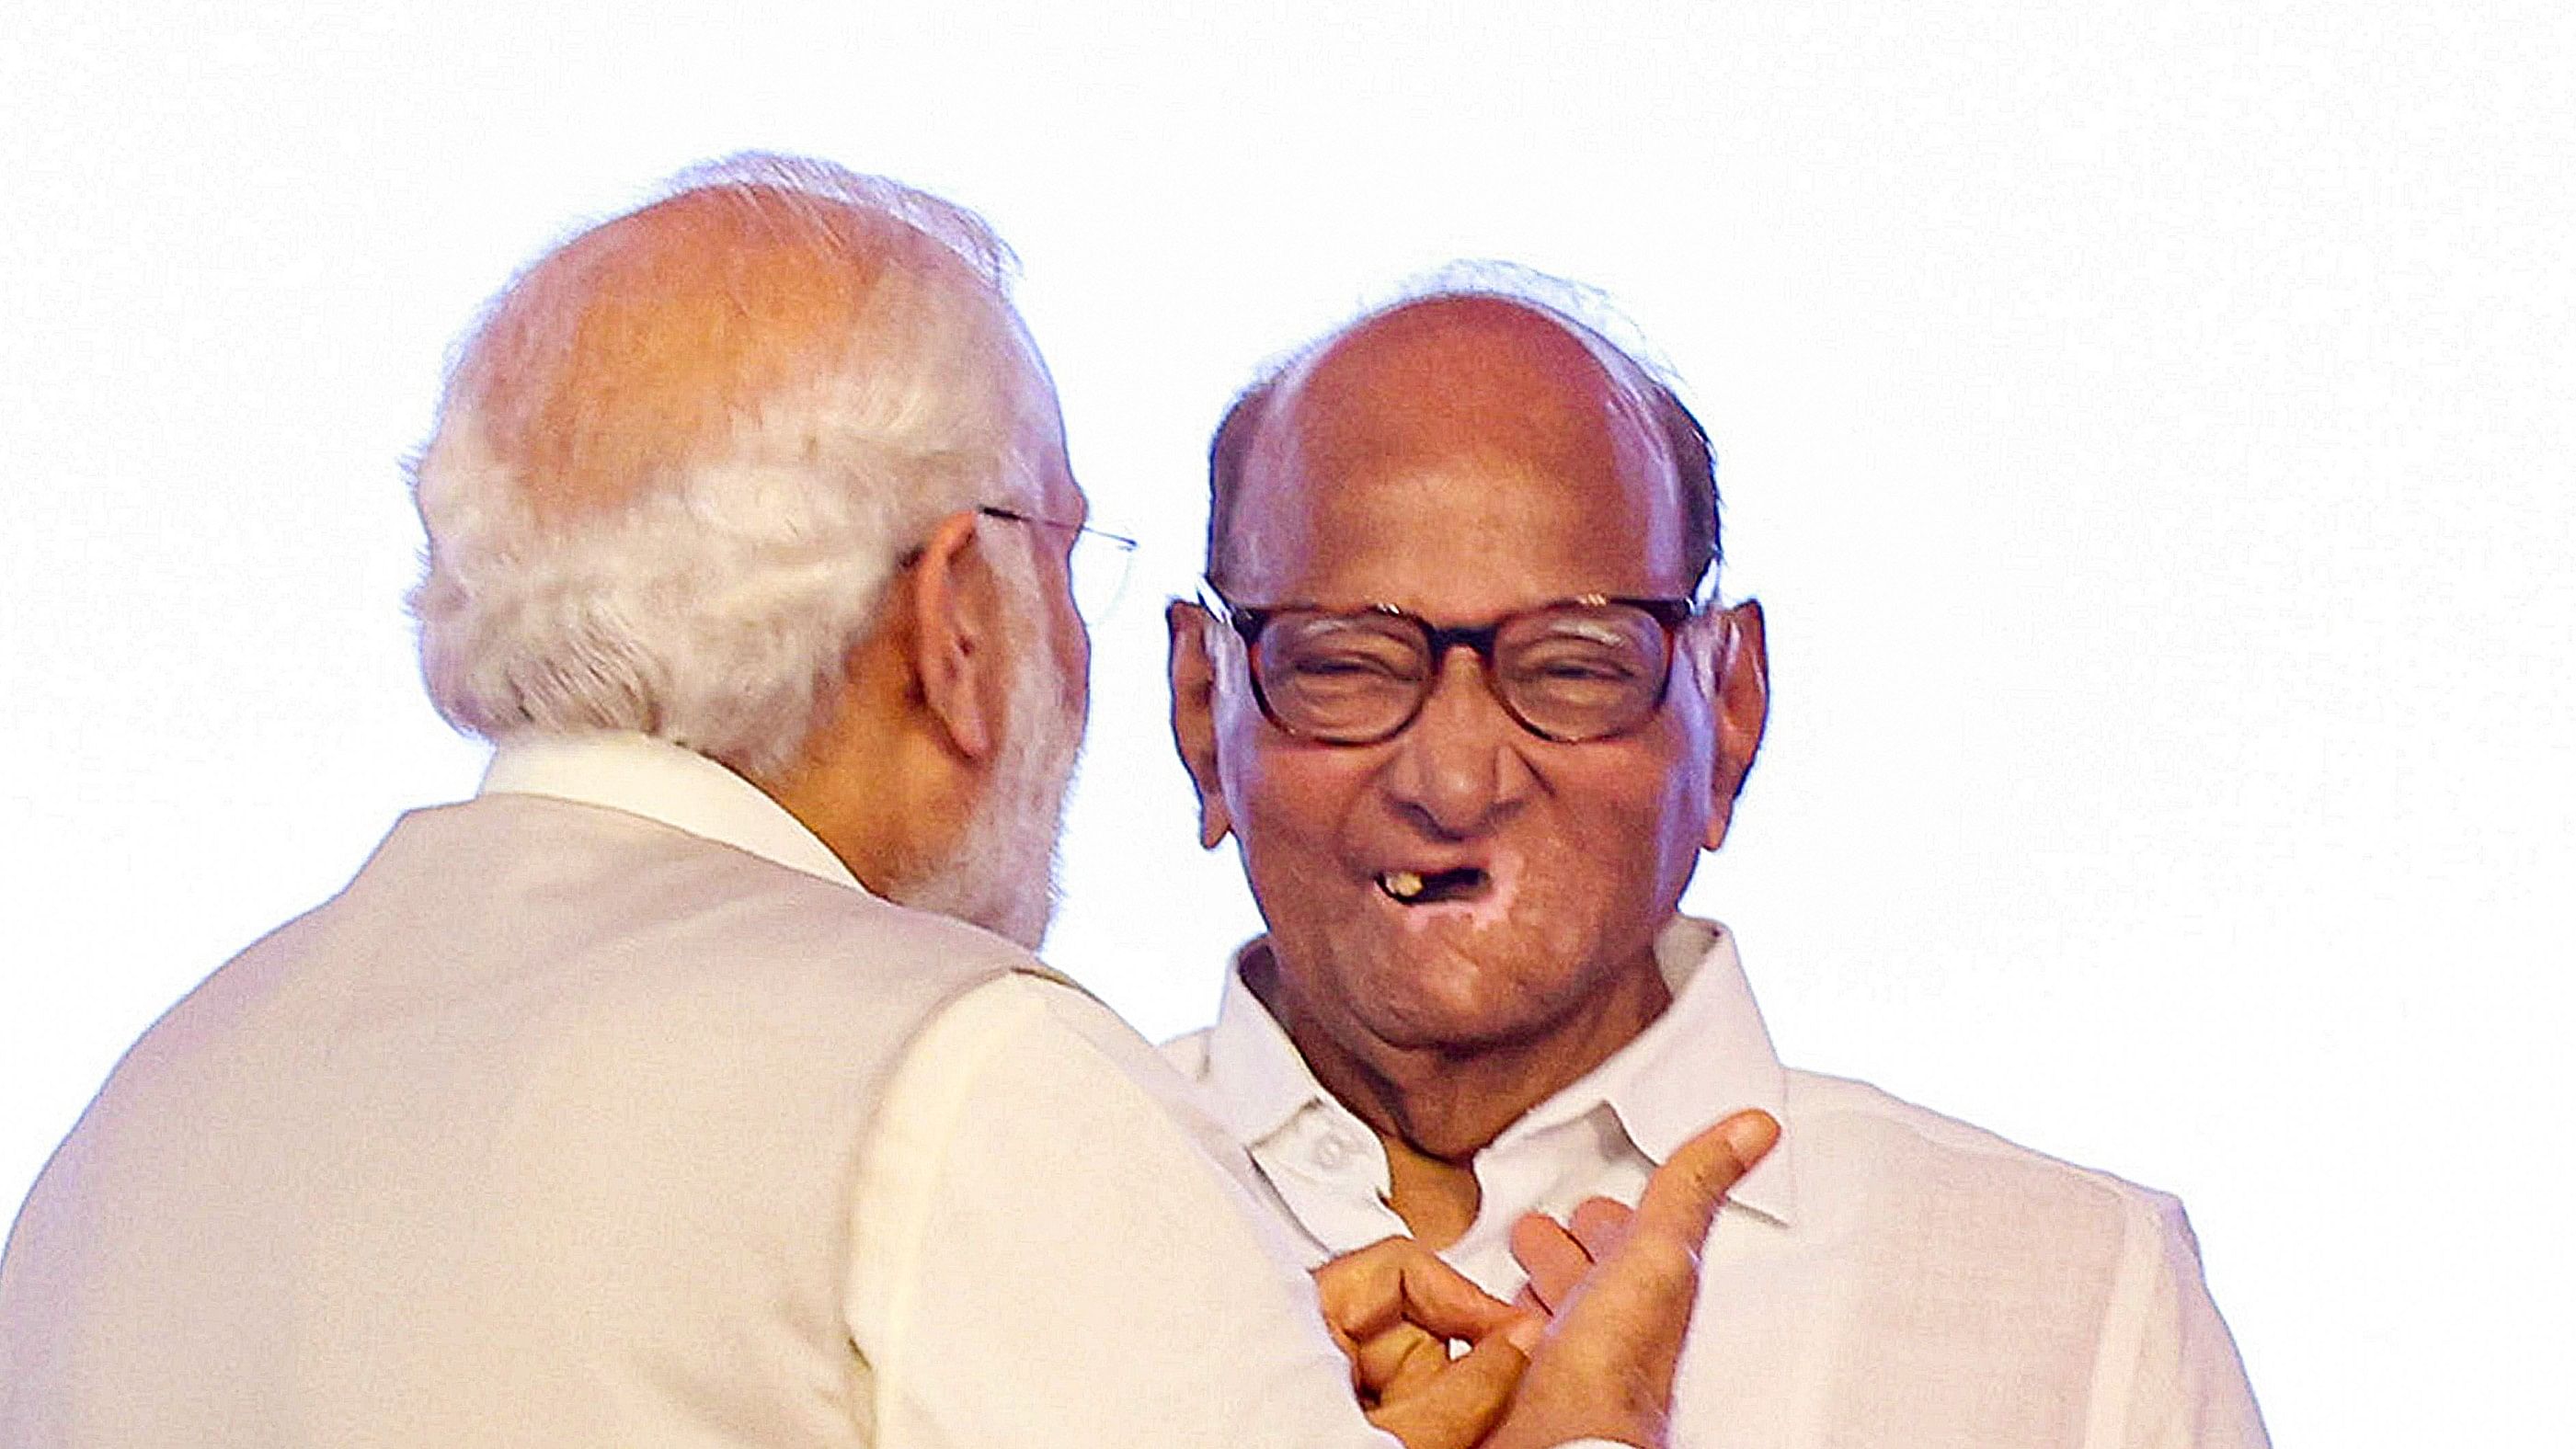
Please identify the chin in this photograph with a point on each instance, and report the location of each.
(1480, 1009)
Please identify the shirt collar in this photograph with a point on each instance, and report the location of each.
(1708, 1055)
(1256, 1078)
(660, 781)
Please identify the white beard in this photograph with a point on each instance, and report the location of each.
(1001, 873)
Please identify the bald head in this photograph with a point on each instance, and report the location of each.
(1467, 377)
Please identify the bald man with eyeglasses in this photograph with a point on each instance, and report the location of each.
(1460, 688)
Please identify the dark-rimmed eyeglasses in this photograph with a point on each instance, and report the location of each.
(1575, 670)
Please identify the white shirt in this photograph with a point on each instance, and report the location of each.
(1887, 1276)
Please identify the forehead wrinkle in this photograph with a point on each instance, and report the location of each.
(639, 349)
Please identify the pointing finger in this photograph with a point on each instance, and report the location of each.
(1682, 1198)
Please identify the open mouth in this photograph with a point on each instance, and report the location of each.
(1415, 888)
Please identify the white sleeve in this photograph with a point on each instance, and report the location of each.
(1043, 1254)
(2169, 1376)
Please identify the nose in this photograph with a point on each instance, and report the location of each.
(1458, 769)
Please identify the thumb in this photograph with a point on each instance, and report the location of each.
(1457, 1407)
(1682, 1198)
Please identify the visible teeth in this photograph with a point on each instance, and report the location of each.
(1404, 885)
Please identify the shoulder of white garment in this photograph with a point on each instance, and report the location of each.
(1065, 1030)
(1859, 1144)
(2165, 1371)
(1029, 1030)
(2169, 1375)
(1048, 1016)
(1034, 1193)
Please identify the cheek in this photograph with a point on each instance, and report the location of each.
(1285, 794)
(1682, 809)
(1294, 802)
(1638, 825)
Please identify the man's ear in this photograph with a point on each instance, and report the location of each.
(950, 600)
(1194, 714)
(1743, 707)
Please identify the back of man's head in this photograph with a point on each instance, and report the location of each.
(681, 454)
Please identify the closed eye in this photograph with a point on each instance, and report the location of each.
(1577, 668)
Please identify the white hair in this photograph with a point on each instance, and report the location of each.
(828, 198)
(715, 604)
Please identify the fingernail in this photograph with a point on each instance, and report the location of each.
(1525, 1334)
(1751, 1134)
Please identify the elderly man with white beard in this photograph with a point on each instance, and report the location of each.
(693, 1084)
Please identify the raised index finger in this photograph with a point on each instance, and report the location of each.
(1682, 1198)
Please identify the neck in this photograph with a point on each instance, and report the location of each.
(1434, 1108)
(876, 788)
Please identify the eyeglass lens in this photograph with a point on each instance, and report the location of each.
(1568, 672)
(1099, 567)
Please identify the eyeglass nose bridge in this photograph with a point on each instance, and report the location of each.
(1438, 640)
(1479, 638)
(1481, 641)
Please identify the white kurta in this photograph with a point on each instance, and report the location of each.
(1886, 1277)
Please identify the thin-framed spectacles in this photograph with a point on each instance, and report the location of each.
(1098, 563)
(1573, 670)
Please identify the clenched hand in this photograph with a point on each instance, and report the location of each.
(1393, 1306)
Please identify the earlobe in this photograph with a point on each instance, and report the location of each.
(1194, 732)
(948, 594)
(1743, 708)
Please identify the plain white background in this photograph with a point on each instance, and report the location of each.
(2148, 426)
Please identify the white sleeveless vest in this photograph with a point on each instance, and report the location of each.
(541, 1132)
